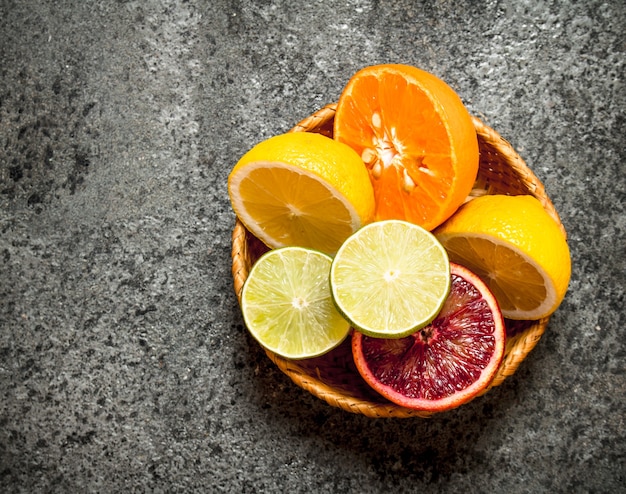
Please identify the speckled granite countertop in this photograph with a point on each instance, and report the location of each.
(124, 363)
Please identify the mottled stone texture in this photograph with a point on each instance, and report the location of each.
(124, 363)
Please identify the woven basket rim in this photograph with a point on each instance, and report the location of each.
(518, 345)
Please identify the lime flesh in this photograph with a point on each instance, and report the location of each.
(287, 305)
(390, 278)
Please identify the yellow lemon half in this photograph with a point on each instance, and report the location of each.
(301, 189)
(516, 247)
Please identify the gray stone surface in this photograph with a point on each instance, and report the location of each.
(124, 363)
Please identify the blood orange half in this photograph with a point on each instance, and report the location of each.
(416, 138)
(445, 364)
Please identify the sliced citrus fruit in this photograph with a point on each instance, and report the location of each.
(416, 138)
(516, 247)
(390, 278)
(301, 189)
(447, 363)
(287, 306)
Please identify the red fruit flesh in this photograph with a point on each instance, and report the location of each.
(448, 362)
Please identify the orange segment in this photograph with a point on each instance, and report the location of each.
(416, 138)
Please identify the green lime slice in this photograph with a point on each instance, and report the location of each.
(287, 305)
(390, 278)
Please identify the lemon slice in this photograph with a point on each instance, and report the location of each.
(390, 278)
(301, 189)
(287, 305)
(516, 248)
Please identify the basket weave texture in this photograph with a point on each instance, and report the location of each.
(333, 377)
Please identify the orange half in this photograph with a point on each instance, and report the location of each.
(416, 138)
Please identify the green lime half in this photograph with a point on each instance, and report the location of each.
(390, 278)
(287, 305)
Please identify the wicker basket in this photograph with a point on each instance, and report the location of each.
(333, 377)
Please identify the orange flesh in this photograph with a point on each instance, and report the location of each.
(398, 127)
